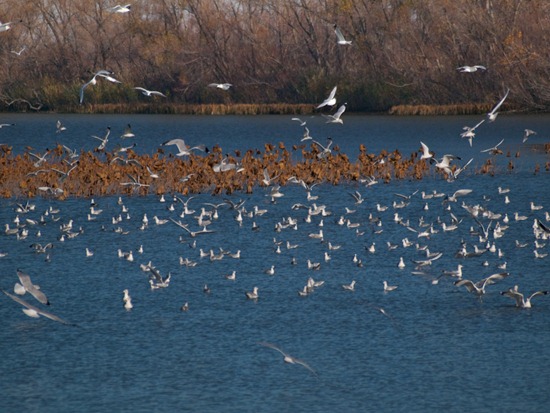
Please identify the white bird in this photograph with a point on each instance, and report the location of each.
(341, 39)
(425, 151)
(492, 115)
(32, 289)
(127, 300)
(252, 295)
(106, 74)
(103, 140)
(222, 86)
(527, 133)
(127, 132)
(89, 253)
(349, 287)
(6, 26)
(18, 53)
(478, 288)
(336, 118)
(445, 163)
(60, 127)
(33, 311)
(287, 357)
(470, 69)
(494, 150)
(521, 301)
(120, 9)
(184, 150)
(150, 92)
(469, 132)
(331, 100)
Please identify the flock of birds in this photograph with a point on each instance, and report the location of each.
(480, 225)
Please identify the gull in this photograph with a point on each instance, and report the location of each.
(470, 69)
(40, 159)
(127, 300)
(494, 150)
(459, 170)
(32, 289)
(270, 271)
(470, 132)
(521, 301)
(341, 39)
(6, 26)
(18, 53)
(349, 287)
(60, 127)
(63, 174)
(527, 133)
(306, 136)
(358, 197)
(184, 150)
(252, 295)
(325, 149)
(388, 288)
(127, 133)
(267, 181)
(222, 86)
(492, 115)
(478, 288)
(287, 357)
(103, 140)
(152, 174)
(425, 152)
(106, 74)
(33, 311)
(336, 117)
(120, 9)
(6, 124)
(302, 122)
(150, 92)
(134, 181)
(445, 163)
(330, 101)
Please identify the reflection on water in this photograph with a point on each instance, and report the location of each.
(430, 336)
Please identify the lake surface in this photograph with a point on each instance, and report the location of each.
(425, 346)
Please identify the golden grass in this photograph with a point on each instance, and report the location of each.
(434, 110)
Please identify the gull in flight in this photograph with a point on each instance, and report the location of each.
(330, 101)
(4, 27)
(470, 69)
(222, 86)
(6, 124)
(127, 133)
(341, 39)
(527, 133)
(494, 150)
(469, 133)
(27, 286)
(425, 151)
(492, 115)
(150, 92)
(287, 357)
(60, 127)
(184, 150)
(18, 53)
(103, 140)
(445, 163)
(302, 122)
(120, 9)
(478, 288)
(336, 117)
(521, 301)
(33, 311)
(106, 74)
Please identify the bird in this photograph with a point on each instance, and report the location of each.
(184, 150)
(33, 311)
(492, 115)
(527, 133)
(149, 92)
(336, 118)
(470, 69)
(478, 288)
(469, 132)
(252, 295)
(222, 86)
(330, 101)
(426, 154)
(127, 300)
(349, 287)
(103, 140)
(287, 357)
(32, 289)
(18, 53)
(60, 127)
(6, 124)
(106, 74)
(521, 301)
(127, 133)
(494, 150)
(4, 27)
(340, 37)
(388, 288)
(120, 9)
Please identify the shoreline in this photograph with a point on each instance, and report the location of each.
(248, 109)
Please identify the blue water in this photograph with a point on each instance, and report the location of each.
(437, 348)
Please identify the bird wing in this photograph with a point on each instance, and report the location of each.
(44, 313)
(31, 288)
(339, 34)
(492, 279)
(332, 93)
(339, 112)
(470, 286)
(273, 346)
(499, 104)
(425, 149)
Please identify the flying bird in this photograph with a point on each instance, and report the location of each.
(30, 288)
(287, 358)
(494, 150)
(184, 149)
(469, 132)
(149, 92)
(336, 118)
(492, 115)
(340, 37)
(330, 101)
(527, 133)
(478, 288)
(120, 9)
(33, 311)
(106, 74)
(470, 69)
(222, 86)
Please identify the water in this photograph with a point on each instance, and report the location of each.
(438, 348)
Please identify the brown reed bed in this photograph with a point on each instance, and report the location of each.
(102, 174)
(435, 110)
